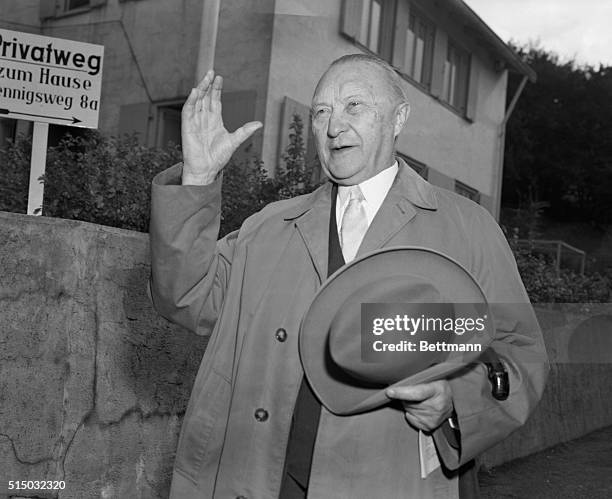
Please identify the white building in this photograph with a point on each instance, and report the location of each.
(271, 54)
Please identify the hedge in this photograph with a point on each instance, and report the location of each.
(106, 180)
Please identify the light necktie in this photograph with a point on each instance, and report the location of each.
(354, 224)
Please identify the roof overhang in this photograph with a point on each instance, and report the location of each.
(486, 37)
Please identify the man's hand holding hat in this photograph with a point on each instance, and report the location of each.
(331, 342)
(426, 405)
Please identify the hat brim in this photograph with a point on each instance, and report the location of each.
(338, 392)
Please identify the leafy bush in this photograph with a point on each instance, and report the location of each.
(298, 176)
(247, 188)
(103, 180)
(15, 175)
(545, 285)
(107, 180)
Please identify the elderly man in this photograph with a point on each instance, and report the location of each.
(253, 428)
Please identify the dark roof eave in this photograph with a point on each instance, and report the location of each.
(484, 32)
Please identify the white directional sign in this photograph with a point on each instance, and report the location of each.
(50, 80)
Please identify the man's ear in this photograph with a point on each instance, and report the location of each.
(401, 116)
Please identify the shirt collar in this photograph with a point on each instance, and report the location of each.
(374, 189)
(410, 185)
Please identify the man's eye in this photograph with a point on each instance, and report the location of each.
(353, 105)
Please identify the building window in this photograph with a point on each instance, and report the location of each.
(419, 50)
(60, 8)
(371, 23)
(369, 32)
(75, 4)
(467, 191)
(168, 125)
(456, 77)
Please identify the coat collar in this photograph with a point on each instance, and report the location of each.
(408, 185)
(311, 215)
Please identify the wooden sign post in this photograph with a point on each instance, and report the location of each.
(37, 167)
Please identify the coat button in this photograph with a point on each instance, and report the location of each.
(281, 334)
(261, 415)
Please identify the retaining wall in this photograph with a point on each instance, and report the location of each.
(93, 383)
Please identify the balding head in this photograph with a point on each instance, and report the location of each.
(358, 110)
(390, 76)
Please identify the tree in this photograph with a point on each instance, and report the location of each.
(559, 141)
(297, 177)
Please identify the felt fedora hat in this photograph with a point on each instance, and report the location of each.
(393, 317)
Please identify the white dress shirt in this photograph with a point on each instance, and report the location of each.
(374, 191)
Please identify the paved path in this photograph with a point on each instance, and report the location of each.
(580, 469)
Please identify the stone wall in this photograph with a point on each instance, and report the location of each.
(94, 384)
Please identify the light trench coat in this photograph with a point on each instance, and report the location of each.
(250, 288)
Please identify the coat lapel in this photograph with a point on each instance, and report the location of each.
(408, 190)
(394, 213)
(311, 219)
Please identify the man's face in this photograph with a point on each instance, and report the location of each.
(355, 118)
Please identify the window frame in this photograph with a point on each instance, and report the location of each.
(58, 9)
(449, 95)
(382, 46)
(366, 28)
(163, 112)
(68, 8)
(467, 192)
(417, 19)
(395, 23)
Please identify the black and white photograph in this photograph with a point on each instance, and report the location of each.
(305, 249)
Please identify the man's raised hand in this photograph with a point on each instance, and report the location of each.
(207, 145)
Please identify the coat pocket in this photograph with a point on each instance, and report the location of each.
(208, 405)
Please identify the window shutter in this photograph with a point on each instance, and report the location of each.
(385, 49)
(350, 20)
(401, 29)
(47, 9)
(472, 93)
(439, 60)
(134, 118)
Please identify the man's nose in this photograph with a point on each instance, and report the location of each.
(336, 124)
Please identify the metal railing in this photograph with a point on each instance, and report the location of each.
(562, 253)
